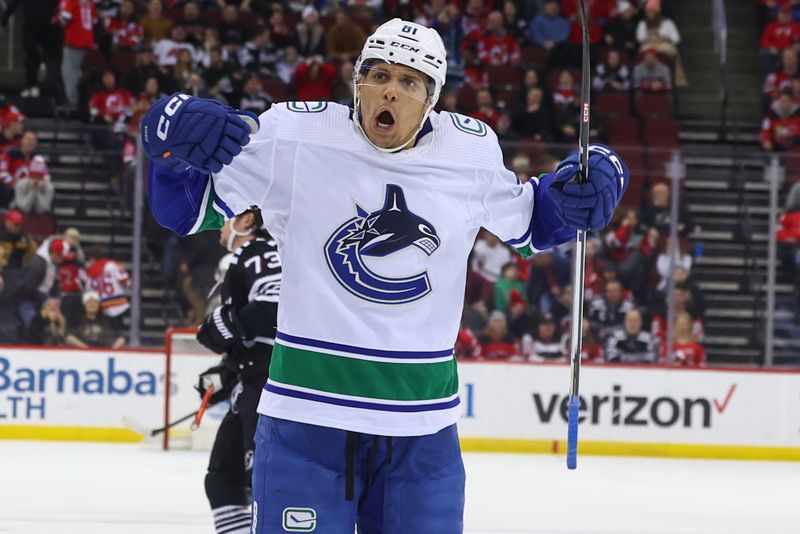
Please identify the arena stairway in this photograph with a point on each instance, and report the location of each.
(700, 100)
(728, 199)
(86, 199)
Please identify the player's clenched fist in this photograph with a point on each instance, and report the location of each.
(589, 206)
(181, 131)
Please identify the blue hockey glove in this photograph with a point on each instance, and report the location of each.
(589, 206)
(181, 131)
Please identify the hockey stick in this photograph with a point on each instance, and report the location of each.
(579, 267)
(202, 409)
(139, 428)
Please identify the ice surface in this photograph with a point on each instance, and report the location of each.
(65, 488)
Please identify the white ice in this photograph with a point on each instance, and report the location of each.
(87, 488)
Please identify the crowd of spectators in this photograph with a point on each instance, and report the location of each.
(519, 310)
(512, 64)
(780, 45)
(50, 291)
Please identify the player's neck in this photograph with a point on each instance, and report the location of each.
(241, 240)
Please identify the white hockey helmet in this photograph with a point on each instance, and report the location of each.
(404, 43)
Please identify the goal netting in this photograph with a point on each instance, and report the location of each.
(185, 360)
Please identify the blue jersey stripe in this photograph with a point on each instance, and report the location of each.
(327, 345)
(360, 404)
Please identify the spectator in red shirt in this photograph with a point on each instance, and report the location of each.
(314, 79)
(486, 111)
(632, 247)
(6, 187)
(111, 104)
(495, 46)
(466, 345)
(781, 127)
(565, 89)
(780, 80)
(496, 343)
(789, 232)
(78, 18)
(125, 30)
(19, 158)
(599, 10)
(777, 36)
(10, 126)
(686, 349)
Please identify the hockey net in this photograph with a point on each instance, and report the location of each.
(185, 360)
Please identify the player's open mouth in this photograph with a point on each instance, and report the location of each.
(385, 120)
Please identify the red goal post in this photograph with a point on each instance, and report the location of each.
(186, 358)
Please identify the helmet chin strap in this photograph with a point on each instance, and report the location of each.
(357, 120)
(234, 233)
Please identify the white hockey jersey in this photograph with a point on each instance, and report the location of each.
(374, 249)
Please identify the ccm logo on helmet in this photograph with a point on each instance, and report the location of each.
(404, 46)
(169, 110)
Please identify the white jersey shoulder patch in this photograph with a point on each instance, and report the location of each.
(467, 140)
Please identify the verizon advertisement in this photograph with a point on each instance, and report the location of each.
(624, 404)
(94, 388)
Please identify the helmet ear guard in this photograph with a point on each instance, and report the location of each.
(403, 43)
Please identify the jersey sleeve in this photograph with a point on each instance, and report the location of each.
(522, 215)
(254, 177)
(190, 201)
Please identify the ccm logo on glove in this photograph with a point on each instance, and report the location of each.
(169, 110)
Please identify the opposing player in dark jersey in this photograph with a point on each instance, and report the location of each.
(242, 328)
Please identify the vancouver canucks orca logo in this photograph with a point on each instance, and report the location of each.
(381, 233)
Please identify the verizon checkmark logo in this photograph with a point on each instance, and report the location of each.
(721, 406)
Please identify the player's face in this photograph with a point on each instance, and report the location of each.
(393, 100)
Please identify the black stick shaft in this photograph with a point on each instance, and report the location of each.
(158, 431)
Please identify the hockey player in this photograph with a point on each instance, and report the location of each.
(243, 329)
(375, 210)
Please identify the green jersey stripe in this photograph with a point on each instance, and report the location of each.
(363, 378)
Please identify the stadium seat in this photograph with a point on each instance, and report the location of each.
(792, 163)
(275, 87)
(38, 225)
(94, 60)
(503, 76)
(661, 133)
(123, 60)
(657, 159)
(533, 56)
(613, 104)
(467, 97)
(654, 107)
(623, 131)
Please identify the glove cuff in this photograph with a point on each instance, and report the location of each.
(548, 228)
